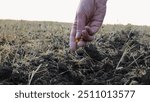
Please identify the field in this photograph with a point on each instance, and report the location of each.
(37, 53)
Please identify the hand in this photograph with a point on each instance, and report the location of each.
(89, 18)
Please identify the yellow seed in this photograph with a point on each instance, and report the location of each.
(77, 40)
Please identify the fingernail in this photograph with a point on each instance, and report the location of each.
(78, 37)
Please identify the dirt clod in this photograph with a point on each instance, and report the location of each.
(37, 53)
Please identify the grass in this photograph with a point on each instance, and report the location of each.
(22, 42)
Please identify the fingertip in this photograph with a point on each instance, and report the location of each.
(72, 50)
(73, 46)
(81, 43)
(91, 38)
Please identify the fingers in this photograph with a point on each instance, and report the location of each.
(98, 18)
(81, 21)
(86, 36)
(81, 43)
(72, 42)
(76, 31)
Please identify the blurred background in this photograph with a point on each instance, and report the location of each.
(118, 11)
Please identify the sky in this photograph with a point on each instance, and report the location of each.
(118, 11)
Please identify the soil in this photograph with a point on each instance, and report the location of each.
(95, 70)
(95, 64)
